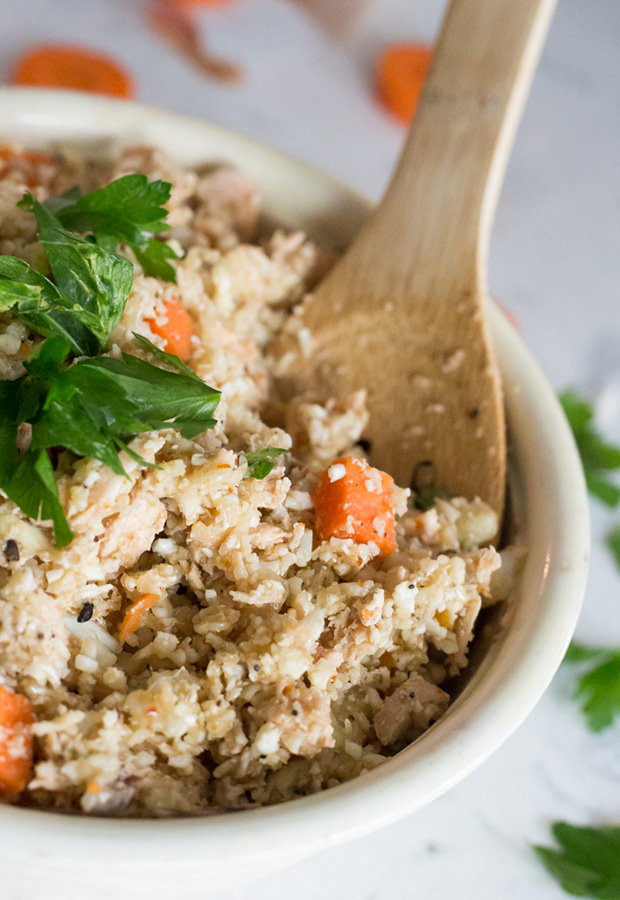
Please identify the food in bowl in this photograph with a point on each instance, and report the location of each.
(209, 599)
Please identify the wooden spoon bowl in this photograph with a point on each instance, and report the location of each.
(402, 314)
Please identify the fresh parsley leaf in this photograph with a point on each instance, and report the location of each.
(603, 489)
(153, 256)
(124, 209)
(39, 303)
(426, 497)
(577, 653)
(129, 210)
(73, 421)
(28, 480)
(97, 280)
(96, 405)
(169, 359)
(9, 405)
(33, 488)
(598, 457)
(613, 544)
(588, 863)
(137, 396)
(93, 406)
(260, 462)
(54, 204)
(599, 687)
(577, 410)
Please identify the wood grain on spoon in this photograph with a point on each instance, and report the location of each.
(403, 312)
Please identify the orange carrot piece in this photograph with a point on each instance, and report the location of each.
(204, 2)
(176, 330)
(131, 619)
(76, 68)
(31, 156)
(16, 720)
(353, 500)
(400, 73)
(24, 161)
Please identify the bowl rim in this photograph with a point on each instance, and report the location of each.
(480, 720)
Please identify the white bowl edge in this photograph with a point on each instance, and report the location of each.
(228, 848)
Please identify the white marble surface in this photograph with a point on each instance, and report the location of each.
(554, 263)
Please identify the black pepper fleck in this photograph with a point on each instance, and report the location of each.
(412, 694)
(473, 413)
(11, 550)
(256, 667)
(40, 636)
(86, 613)
(295, 712)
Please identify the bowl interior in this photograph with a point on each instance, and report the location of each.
(521, 651)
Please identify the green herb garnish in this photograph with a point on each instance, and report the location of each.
(597, 456)
(426, 497)
(588, 863)
(599, 687)
(260, 462)
(91, 406)
(613, 544)
(129, 210)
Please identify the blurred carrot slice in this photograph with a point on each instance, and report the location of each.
(400, 73)
(204, 2)
(76, 68)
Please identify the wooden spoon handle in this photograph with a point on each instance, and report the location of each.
(455, 155)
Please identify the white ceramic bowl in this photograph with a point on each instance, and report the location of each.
(57, 857)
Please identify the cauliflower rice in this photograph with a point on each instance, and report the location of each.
(273, 664)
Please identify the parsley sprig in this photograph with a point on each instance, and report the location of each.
(130, 211)
(613, 544)
(588, 863)
(260, 462)
(598, 457)
(598, 688)
(84, 299)
(92, 405)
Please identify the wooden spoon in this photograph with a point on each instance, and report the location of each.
(402, 314)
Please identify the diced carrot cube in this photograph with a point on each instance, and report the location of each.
(176, 329)
(16, 720)
(354, 500)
